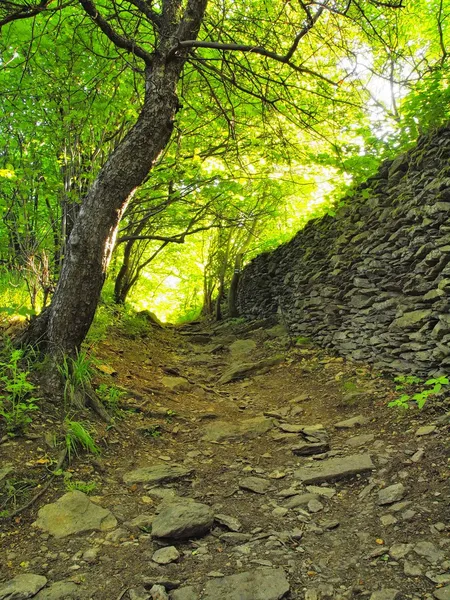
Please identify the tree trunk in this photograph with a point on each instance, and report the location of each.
(232, 294)
(92, 239)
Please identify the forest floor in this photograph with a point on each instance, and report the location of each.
(257, 494)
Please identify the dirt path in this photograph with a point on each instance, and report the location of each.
(257, 495)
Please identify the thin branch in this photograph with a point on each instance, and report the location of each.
(118, 40)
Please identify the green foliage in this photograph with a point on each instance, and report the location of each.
(152, 431)
(432, 388)
(110, 395)
(78, 437)
(87, 487)
(18, 401)
(77, 375)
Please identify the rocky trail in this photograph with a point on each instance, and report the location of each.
(246, 468)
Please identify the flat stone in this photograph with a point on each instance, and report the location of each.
(335, 469)
(442, 593)
(305, 449)
(236, 372)
(158, 592)
(159, 473)
(139, 593)
(179, 384)
(398, 551)
(411, 319)
(246, 429)
(300, 500)
(165, 556)
(429, 551)
(391, 494)
(182, 520)
(411, 570)
(231, 523)
(315, 506)
(356, 421)
(387, 520)
(74, 513)
(327, 492)
(241, 348)
(425, 430)
(185, 593)
(61, 590)
(260, 584)
(255, 484)
(385, 594)
(22, 587)
(360, 440)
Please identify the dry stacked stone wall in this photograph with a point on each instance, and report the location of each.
(373, 283)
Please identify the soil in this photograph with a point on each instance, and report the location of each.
(337, 549)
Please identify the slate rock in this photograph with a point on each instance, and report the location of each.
(61, 590)
(184, 593)
(385, 594)
(74, 513)
(327, 492)
(246, 429)
(139, 593)
(236, 372)
(442, 593)
(176, 384)
(356, 421)
(182, 520)
(300, 500)
(255, 484)
(159, 473)
(22, 587)
(335, 469)
(426, 430)
(360, 440)
(260, 584)
(166, 555)
(240, 348)
(4, 472)
(231, 523)
(158, 592)
(429, 551)
(305, 449)
(391, 494)
(398, 551)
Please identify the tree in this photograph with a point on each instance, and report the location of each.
(244, 47)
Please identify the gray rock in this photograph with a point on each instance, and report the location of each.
(160, 473)
(429, 551)
(259, 584)
(315, 506)
(411, 319)
(356, 421)
(179, 384)
(411, 570)
(245, 430)
(300, 500)
(158, 592)
(184, 593)
(231, 523)
(22, 587)
(398, 551)
(139, 593)
(307, 449)
(443, 593)
(236, 372)
(61, 590)
(183, 520)
(74, 513)
(387, 520)
(335, 469)
(360, 440)
(326, 492)
(165, 556)
(385, 594)
(391, 494)
(426, 430)
(255, 484)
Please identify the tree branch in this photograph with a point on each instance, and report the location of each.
(27, 11)
(118, 40)
(151, 15)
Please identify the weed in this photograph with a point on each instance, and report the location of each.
(18, 403)
(110, 395)
(170, 414)
(302, 341)
(77, 374)
(77, 436)
(153, 431)
(87, 487)
(432, 388)
(406, 380)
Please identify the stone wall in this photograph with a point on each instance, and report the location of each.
(373, 283)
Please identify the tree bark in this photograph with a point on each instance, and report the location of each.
(89, 247)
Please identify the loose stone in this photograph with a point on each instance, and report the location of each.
(166, 555)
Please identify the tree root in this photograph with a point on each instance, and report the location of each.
(59, 464)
